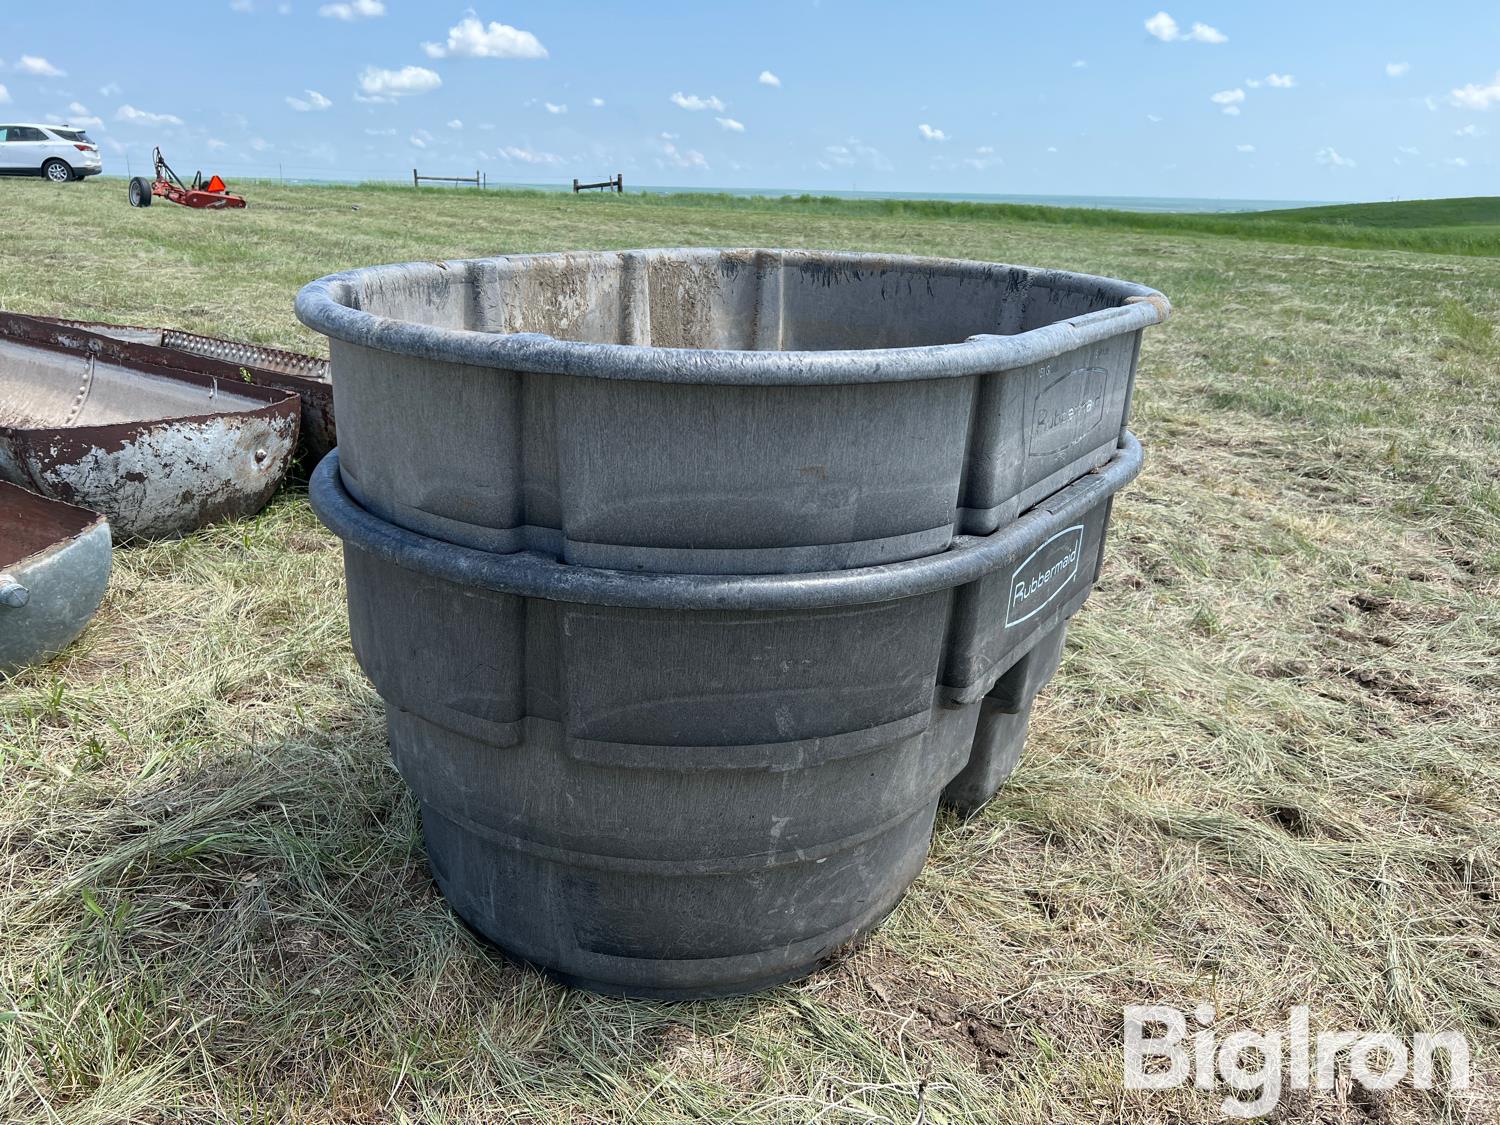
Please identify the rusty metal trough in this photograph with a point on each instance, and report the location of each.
(158, 450)
(307, 375)
(54, 565)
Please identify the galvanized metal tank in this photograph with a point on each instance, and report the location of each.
(692, 579)
(158, 450)
(54, 566)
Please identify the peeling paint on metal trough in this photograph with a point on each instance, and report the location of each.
(54, 566)
(230, 360)
(160, 452)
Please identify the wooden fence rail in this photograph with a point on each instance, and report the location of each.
(617, 184)
(477, 179)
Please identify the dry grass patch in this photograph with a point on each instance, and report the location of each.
(1266, 774)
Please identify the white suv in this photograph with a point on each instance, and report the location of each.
(58, 152)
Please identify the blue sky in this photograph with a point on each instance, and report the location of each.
(1266, 100)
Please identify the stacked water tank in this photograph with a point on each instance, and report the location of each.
(694, 580)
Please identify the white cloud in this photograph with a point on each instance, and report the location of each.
(1475, 96)
(260, 144)
(1470, 130)
(692, 158)
(312, 103)
(1456, 162)
(553, 108)
(1396, 69)
(110, 89)
(854, 151)
(1229, 101)
(241, 5)
(380, 132)
(1409, 150)
(984, 157)
(1165, 28)
(596, 102)
(38, 66)
(353, 10)
(1051, 148)
(416, 141)
(214, 144)
(471, 39)
(1244, 148)
(142, 117)
(730, 125)
(695, 103)
(1332, 158)
(1280, 81)
(768, 79)
(1153, 118)
(528, 156)
(456, 123)
(931, 134)
(376, 82)
(79, 115)
(1080, 64)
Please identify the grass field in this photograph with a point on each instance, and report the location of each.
(1267, 773)
(1434, 226)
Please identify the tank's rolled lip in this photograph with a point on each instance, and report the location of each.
(327, 306)
(534, 575)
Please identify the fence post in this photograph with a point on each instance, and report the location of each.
(413, 177)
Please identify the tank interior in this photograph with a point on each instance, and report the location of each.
(752, 300)
(44, 388)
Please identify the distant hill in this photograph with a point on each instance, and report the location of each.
(1432, 226)
(1468, 226)
(1406, 214)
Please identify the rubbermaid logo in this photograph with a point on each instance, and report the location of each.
(1044, 574)
(1067, 410)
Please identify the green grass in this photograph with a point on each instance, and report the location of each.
(1433, 226)
(1265, 775)
(1406, 214)
(1462, 226)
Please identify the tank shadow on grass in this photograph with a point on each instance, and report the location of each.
(193, 882)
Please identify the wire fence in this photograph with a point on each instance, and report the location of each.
(134, 163)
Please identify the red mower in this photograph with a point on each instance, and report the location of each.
(214, 194)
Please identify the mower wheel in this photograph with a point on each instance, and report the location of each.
(140, 192)
(57, 171)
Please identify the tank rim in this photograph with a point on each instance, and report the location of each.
(536, 575)
(329, 305)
